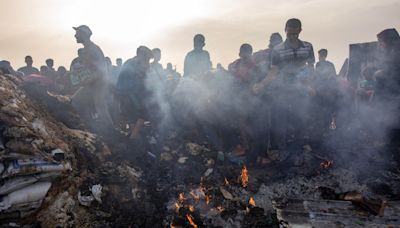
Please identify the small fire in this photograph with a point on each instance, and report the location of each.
(252, 202)
(191, 208)
(177, 206)
(220, 209)
(181, 198)
(190, 219)
(244, 178)
(226, 182)
(326, 164)
(207, 198)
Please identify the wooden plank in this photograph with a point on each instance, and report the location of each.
(333, 213)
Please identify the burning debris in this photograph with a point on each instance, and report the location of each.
(244, 178)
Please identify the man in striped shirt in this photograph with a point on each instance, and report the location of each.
(292, 67)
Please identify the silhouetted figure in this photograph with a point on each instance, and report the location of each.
(132, 90)
(28, 69)
(171, 73)
(118, 61)
(219, 67)
(324, 69)
(197, 62)
(388, 75)
(242, 71)
(43, 70)
(241, 68)
(172, 79)
(61, 71)
(155, 66)
(326, 99)
(292, 65)
(116, 70)
(94, 87)
(51, 72)
(63, 80)
(387, 89)
(110, 70)
(6, 68)
(262, 58)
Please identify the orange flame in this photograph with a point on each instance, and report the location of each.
(190, 219)
(226, 182)
(177, 206)
(181, 198)
(244, 178)
(326, 164)
(207, 198)
(191, 208)
(252, 202)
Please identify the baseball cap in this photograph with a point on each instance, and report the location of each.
(84, 29)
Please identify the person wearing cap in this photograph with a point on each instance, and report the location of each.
(197, 62)
(95, 87)
(132, 90)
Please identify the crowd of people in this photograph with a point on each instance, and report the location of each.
(265, 106)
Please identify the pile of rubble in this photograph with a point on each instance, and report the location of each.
(51, 174)
(55, 175)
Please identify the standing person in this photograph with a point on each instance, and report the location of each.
(324, 69)
(292, 64)
(261, 120)
(241, 69)
(387, 88)
(29, 69)
(197, 62)
(262, 58)
(94, 87)
(132, 90)
(156, 66)
(51, 72)
(117, 69)
(388, 75)
(118, 61)
(325, 103)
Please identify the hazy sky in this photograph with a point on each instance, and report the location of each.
(42, 28)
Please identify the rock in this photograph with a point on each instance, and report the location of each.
(195, 149)
(208, 172)
(227, 195)
(182, 160)
(165, 156)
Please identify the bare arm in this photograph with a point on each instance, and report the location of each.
(272, 73)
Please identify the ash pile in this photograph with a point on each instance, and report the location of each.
(178, 181)
(52, 175)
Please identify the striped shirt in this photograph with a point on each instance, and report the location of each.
(293, 62)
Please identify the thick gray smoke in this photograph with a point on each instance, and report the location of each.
(362, 127)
